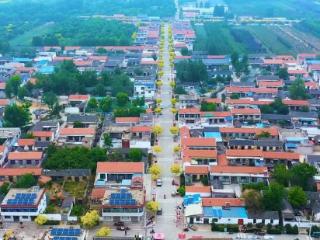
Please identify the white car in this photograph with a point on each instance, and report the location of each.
(159, 182)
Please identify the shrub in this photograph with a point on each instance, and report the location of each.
(274, 230)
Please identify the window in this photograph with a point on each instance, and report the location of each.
(197, 218)
(25, 217)
(271, 221)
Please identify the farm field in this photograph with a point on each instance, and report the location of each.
(217, 38)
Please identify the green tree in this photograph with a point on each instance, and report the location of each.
(135, 154)
(273, 196)
(263, 134)
(301, 175)
(92, 104)
(235, 96)
(253, 200)
(105, 104)
(283, 73)
(191, 71)
(4, 189)
(208, 107)
(297, 197)
(26, 181)
(16, 116)
(12, 86)
(23, 92)
(297, 90)
(50, 99)
(122, 99)
(107, 140)
(281, 174)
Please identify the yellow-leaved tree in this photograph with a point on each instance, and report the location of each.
(103, 232)
(41, 219)
(155, 171)
(90, 219)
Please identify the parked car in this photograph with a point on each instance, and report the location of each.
(159, 212)
(119, 224)
(159, 182)
(123, 228)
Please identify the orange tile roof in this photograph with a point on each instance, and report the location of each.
(77, 131)
(2, 147)
(273, 61)
(244, 153)
(25, 155)
(120, 167)
(238, 169)
(233, 202)
(273, 131)
(20, 171)
(198, 142)
(98, 193)
(127, 119)
(77, 97)
(312, 85)
(196, 169)
(245, 111)
(235, 89)
(198, 189)
(189, 111)
(136, 129)
(281, 155)
(26, 142)
(290, 102)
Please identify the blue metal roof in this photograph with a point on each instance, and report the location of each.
(219, 212)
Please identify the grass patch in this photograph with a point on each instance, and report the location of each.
(25, 39)
(76, 189)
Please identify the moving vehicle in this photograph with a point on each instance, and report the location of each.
(119, 224)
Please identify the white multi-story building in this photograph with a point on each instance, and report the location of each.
(21, 205)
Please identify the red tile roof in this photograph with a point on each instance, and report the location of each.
(247, 101)
(120, 167)
(245, 111)
(127, 119)
(212, 100)
(189, 154)
(26, 142)
(184, 132)
(77, 131)
(2, 85)
(4, 102)
(189, 111)
(290, 102)
(273, 131)
(221, 202)
(281, 155)
(98, 193)
(216, 114)
(78, 97)
(198, 142)
(271, 84)
(244, 153)
(196, 169)
(25, 155)
(198, 189)
(238, 169)
(20, 171)
(137, 129)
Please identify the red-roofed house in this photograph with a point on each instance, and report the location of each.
(204, 191)
(199, 157)
(238, 174)
(194, 174)
(244, 157)
(24, 159)
(296, 105)
(113, 173)
(246, 114)
(11, 174)
(76, 136)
